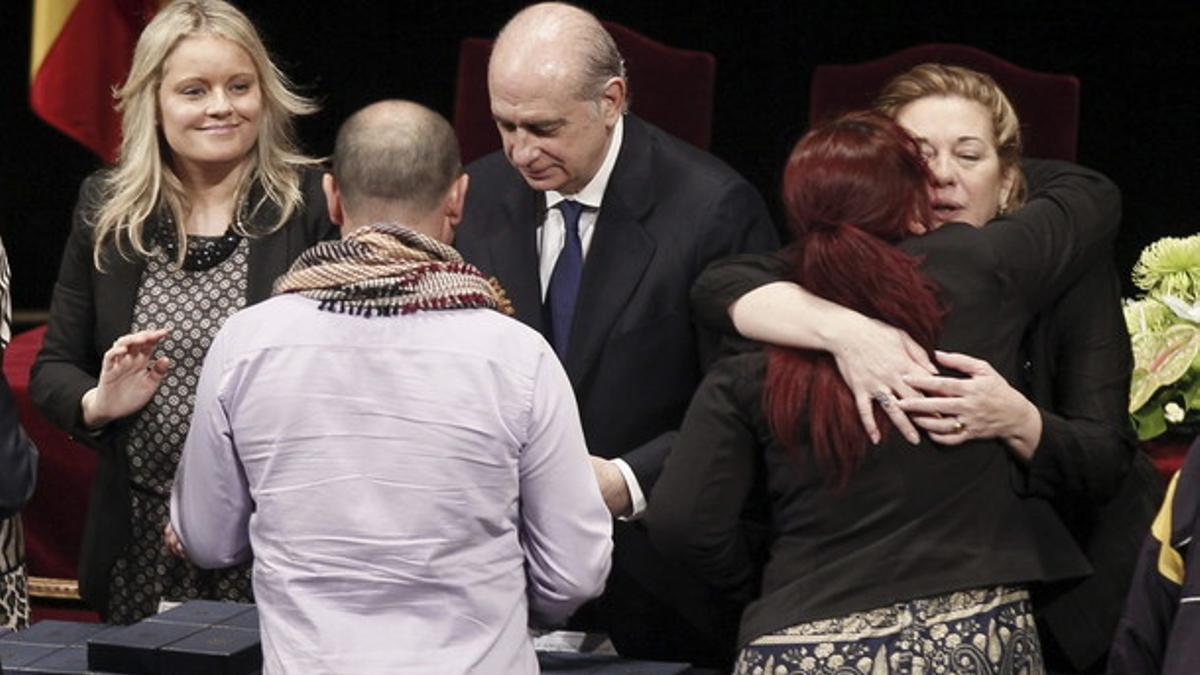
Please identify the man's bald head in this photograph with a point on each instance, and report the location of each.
(394, 156)
(558, 40)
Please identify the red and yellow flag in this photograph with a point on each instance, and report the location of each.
(81, 51)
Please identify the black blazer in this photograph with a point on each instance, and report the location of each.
(1077, 367)
(635, 358)
(89, 310)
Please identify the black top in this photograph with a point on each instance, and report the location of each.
(913, 521)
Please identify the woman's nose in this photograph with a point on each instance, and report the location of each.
(942, 170)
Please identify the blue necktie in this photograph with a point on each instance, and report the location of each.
(564, 281)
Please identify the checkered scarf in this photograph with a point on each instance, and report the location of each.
(385, 270)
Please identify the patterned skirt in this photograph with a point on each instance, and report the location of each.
(14, 595)
(987, 631)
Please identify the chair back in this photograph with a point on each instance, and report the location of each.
(1047, 104)
(669, 87)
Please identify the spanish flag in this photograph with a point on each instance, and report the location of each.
(81, 51)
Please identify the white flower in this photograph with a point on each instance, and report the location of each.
(1173, 412)
(1183, 310)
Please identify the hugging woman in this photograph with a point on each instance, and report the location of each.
(882, 556)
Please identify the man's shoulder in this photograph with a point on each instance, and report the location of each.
(494, 171)
(673, 154)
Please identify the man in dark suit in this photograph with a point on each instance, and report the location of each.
(596, 223)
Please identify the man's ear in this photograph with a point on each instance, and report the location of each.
(612, 101)
(333, 199)
(456, 197)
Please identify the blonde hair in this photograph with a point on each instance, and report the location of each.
(143, 181)
(936, 79)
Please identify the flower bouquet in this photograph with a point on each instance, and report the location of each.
(1164, 327)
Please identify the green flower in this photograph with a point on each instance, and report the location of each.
(1147, 315)
(1170, 266)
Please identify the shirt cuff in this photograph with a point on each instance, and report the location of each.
(637, 499)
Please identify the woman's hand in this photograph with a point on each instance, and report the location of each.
(871, 356)
(172, 542)
(129, 376)
(876, 361)
(983, 405)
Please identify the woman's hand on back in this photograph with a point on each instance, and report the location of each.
(982, 405)
(875, 360)
(129, 376)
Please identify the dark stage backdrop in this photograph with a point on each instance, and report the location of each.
(1138, 61)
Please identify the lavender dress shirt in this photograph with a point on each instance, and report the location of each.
(415, 490)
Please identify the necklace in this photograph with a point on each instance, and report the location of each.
(203, 252)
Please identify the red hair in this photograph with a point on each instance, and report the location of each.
(851, 189)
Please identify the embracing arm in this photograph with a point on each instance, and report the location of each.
(1067, 226)
(745, 293)
(1045, 246)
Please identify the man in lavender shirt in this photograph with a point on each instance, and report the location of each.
(404, 462)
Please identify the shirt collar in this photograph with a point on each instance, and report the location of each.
(592, 194)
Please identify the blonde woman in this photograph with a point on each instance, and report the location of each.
(209, 201)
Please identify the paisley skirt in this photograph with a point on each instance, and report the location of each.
(987, 631)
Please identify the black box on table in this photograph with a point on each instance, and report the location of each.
(135, 649)
(218, 650)
(56, 633)
(64, 661)
(247, 620)
(202, 612)
(14, 654)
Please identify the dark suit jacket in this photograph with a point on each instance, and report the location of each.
(634, 358)
(1077, 371)
(89, 310)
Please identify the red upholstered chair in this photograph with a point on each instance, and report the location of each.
(671, 88)
(1047, 104)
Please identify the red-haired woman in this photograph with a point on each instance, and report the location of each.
(882, 557)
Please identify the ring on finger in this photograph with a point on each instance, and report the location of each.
(959, 426)
(883, 398)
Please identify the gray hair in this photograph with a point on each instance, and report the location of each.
(599, 60)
